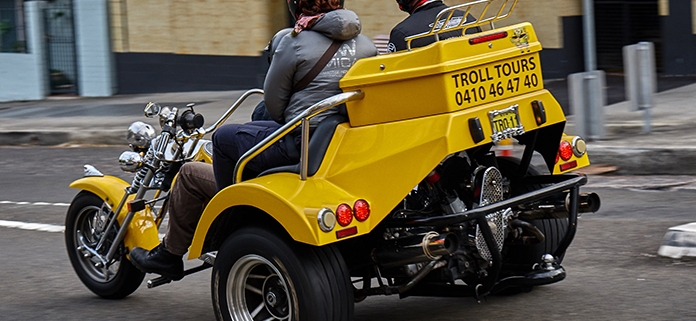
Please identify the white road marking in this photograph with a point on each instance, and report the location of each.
(35, 203)
(33, 226)
(45, 227)
(40, 227)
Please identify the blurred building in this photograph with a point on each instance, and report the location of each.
(183, 45)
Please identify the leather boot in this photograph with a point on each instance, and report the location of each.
(158, 261)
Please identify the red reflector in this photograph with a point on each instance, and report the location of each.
(432, 178)
(565, 150)
(567, 166)
(347, 232)
(487, 38)
(362, 210)
(344, 214)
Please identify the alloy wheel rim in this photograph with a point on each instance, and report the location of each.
(257, 290)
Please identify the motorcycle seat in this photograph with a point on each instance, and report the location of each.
(318, 144)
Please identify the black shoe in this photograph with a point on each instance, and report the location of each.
(159, 261)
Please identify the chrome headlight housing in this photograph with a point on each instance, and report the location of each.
(130, 161)
(140, 135)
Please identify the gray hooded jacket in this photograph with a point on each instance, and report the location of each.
(295, 56)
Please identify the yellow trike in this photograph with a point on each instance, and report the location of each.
(402, 194)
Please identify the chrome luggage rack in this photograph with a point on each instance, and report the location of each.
(452, 23)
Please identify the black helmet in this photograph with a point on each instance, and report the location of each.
(410, 5)
(293, 4)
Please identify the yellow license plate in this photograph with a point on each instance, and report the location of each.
(495, 81)
(505, 123)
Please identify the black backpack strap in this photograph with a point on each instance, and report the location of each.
(318, 66)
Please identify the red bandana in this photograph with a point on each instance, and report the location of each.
(305, 23)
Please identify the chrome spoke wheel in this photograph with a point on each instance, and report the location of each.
(85, 228)
(257, 290)
(89, 229)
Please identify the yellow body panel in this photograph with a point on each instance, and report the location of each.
(379, 163)
(413, 115)
(436, 79)
(142, 231)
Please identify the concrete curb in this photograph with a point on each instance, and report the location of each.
(646, 161)
(53, 138)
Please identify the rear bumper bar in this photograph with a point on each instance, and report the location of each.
(560, 183)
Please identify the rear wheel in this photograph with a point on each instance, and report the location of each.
(259, 275)
(554, 229)
(84, 227)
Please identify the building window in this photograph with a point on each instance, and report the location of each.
(12, 31)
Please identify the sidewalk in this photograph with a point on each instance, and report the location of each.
(670, 148)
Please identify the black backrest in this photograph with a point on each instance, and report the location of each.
(318, 144)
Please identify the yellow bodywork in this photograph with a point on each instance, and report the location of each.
(142, 231)
(413, 115)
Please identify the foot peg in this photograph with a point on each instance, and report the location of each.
(164, 280)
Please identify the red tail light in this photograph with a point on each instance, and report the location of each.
(565, 150)
(344, 214)
(362, 210)
(487, 38)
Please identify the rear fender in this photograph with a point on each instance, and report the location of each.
(293, 219)
(142, 231)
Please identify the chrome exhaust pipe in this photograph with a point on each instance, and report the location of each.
(560, 207)
(420, 248)
(587, 202)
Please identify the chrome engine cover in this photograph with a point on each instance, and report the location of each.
(492, 192)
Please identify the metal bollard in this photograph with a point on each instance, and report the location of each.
(587, 95)
(640, 79)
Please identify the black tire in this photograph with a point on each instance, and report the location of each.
(554, 229)
(306, 282)
(123, 278)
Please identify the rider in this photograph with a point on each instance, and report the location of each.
(319, 23)
(422, 14)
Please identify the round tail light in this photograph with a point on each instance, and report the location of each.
(565, 150)
(362, 210)
(344, 214)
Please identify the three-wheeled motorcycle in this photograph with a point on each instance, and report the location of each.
(403, 194)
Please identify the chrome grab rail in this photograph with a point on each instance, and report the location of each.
(300, 120)
(232, 108)
(438, 28)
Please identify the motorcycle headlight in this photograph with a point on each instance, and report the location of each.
(130, 161)
(140, 134)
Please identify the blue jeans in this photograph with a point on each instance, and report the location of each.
(231, 141)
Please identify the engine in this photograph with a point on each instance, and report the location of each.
(455, 186)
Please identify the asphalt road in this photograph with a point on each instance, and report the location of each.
(613, 270)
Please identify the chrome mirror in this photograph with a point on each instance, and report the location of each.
(152, 109)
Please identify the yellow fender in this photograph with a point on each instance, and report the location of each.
(142, 231)
(292, 218)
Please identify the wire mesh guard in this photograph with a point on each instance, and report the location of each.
(492, 192)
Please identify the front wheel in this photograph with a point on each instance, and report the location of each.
(259, 275)
(84, 227)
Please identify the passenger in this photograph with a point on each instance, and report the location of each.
(260, 112)
(319, 24)
(422, 14)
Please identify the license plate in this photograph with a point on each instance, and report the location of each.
(505, 123)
